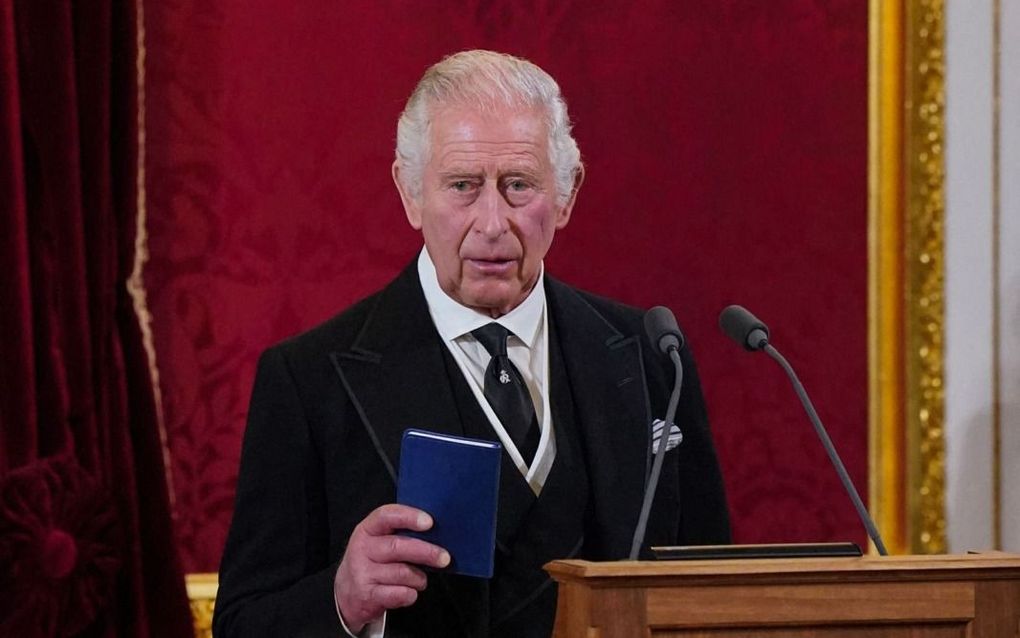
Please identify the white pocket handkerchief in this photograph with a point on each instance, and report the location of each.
(675, 436)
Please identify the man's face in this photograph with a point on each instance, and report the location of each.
(488, 207)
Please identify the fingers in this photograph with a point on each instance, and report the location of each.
(402, 575)
(392, 597)
(376, 532)
(379, 569)
(389, 518)
(401, 549)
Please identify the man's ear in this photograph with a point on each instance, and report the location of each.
(564, 214)
(411, 206)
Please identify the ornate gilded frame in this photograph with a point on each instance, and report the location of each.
(202, 596)
(906, 284)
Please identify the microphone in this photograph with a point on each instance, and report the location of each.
(665, 335)
(750, 333)
(662, 329)
(744, 328)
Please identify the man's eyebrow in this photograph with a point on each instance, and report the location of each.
(520, 172)
(457, 173)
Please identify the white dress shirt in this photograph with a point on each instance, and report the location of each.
(527, 347)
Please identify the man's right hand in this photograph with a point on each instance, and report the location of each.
(378, 569)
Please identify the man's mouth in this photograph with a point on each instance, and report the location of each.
(491, 266)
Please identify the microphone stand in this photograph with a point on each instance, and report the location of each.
(829, 448)
(660, 454)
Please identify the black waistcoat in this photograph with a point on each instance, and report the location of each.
(520, 599)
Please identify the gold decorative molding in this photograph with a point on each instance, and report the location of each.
(906, 282)
(887, 481)
(202, 596)
(925, 60)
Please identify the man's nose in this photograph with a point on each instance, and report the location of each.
(493, 211)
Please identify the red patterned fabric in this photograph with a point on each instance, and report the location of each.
(86, 543)
(725, 144)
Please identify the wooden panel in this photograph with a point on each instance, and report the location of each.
(573, 611)
(800, 604)
(998, 609)
(620, 613)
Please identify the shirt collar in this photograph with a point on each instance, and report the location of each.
(454, 320)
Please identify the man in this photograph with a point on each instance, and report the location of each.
(471, 339)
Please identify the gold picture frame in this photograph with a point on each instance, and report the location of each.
(906, 175)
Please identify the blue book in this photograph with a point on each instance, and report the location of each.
(455, 480)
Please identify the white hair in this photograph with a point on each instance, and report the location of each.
(485, 79)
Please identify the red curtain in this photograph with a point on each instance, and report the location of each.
(85, 528)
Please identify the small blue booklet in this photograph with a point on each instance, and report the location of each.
(455, 480)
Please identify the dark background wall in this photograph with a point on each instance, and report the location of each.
(725, 143)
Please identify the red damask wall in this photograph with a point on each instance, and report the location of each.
(725, 143)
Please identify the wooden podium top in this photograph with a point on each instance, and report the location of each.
(978, 566)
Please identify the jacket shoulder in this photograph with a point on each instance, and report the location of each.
(341, 333)
(625, 318)
(336, 334)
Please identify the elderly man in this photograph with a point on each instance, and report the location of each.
(487, 170)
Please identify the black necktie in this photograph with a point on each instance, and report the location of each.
(507, 393)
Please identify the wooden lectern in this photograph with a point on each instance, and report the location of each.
(975, 595)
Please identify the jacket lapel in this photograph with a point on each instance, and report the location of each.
(613, 414)
(394, 371)
(396, 378)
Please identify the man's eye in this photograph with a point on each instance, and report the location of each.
(517, 185)
(460, 185)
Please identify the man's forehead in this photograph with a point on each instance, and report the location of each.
(474, 130)
(461, 119)
(508, 157)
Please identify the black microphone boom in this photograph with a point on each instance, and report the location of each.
(744, 328)
(665, 335)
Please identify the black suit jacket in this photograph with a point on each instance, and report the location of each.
(327, 414)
